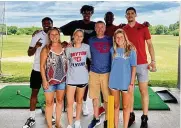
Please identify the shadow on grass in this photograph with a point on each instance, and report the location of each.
(165, 83)
(12, 79)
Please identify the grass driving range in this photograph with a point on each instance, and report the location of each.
(166, 51)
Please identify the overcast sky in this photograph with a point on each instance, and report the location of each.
(26, 14)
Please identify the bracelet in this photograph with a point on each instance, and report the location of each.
(153, 61)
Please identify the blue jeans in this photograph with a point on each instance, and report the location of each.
(53, 88)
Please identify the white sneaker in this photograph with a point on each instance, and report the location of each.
(85, 108)
(69, 126)
(77, 124)
(74, 109)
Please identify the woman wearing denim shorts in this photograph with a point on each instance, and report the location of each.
(53, 72)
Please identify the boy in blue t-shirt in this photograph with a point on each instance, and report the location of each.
(99, 70)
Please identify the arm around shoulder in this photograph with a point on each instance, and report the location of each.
(67, 29)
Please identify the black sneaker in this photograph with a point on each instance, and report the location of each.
(144, 119)
(29, 123)
(105, 124)
(131, 119)
(94, 123)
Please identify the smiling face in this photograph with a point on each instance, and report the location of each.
(54, 36)
(130, 15)
(109, 18)
(100, 29)
(47, 24)
(119, 39)
(86, 15)
(78, 37)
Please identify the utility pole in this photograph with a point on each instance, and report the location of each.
(179, 47)
(1, 35)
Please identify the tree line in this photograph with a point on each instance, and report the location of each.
(173, 29)
(14, 30)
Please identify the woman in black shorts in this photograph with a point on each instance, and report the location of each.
(77, 76)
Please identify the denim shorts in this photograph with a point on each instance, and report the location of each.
(53, 88)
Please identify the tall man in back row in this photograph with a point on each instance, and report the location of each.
(139, 35)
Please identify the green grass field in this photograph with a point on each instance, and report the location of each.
(15, 45)
(166, 51)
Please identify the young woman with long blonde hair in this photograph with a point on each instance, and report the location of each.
(122, 75)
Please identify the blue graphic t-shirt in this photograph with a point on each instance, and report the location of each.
(100, 54)
(120, 75)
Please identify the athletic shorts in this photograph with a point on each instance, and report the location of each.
(142, 73)
(78, 85)
(55, 87)
(98, 83)
(35, 80)
(119, 90)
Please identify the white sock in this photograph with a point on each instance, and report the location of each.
(77, 121)
(32, 114)
(97, 118)
(74, 104)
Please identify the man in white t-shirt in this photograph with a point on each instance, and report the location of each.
(37, 43)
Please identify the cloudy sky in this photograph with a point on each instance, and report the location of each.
(25, 14)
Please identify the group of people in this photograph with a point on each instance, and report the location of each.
(101, 57)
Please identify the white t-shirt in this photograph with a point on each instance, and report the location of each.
(44, 40)
(77, 72)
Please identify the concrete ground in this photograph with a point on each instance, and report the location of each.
(15, 118)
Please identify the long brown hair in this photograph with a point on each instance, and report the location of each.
(127, 44)
(48, 46)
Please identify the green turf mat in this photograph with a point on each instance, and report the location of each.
(9, 98)
(155, 102)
